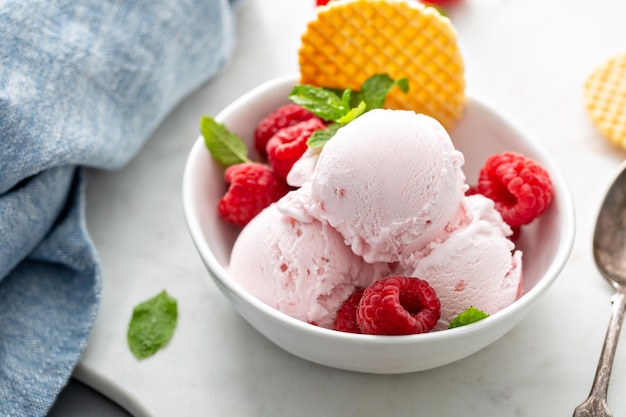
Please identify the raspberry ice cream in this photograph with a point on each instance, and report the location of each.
(476, 264)
(389, 182)
(386, 195)
(301, 268)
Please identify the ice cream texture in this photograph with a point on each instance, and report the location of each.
(389, 182)
(301, 268)
(385, 195)
(475, 264)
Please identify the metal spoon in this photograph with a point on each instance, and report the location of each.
(609, 253)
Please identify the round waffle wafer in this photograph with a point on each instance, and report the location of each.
(352, 40)
(605, 99)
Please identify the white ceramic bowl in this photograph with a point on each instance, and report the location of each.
(546, 244)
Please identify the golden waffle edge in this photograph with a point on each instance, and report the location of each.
(351, 40)
(605, 99)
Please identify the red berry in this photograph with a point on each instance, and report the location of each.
(519, 186)
(440, 2)
(321, 2)
(252, 186)
(398, 305)
(345, 320)
(284, 116)
(288, 145)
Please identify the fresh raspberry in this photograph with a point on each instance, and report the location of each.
(252, 186)
(287, 115)
(345, 321)
(398, 305)
(519, 186)
(321, 2)
(288, 145)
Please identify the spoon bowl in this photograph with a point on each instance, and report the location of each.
(609, 239)
(609, 254)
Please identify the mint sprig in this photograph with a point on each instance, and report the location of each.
(152, 325)
(321, 136)
(225, 146)
(375, 89)
(341, 107)
(469, 316)
(322, 102)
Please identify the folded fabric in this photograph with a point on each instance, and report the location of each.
(82, 83)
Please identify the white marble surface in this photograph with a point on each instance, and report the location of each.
(528, 59)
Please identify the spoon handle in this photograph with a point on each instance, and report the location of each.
(595, 405)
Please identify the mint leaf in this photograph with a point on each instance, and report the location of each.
(375, 89)
(353, 113)
(321, 136)
(322, 102)
(225, 146)
(342, 107)
(469, 316)
(152, 325)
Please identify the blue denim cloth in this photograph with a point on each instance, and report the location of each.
(82, 83)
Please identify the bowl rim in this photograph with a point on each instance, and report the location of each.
(566, 220)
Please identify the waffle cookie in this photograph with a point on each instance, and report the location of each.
(605, 99)
(352, 40)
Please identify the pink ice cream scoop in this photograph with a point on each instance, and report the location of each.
(388, 182)
(300, 267)
(476, 265)
(385, 195)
